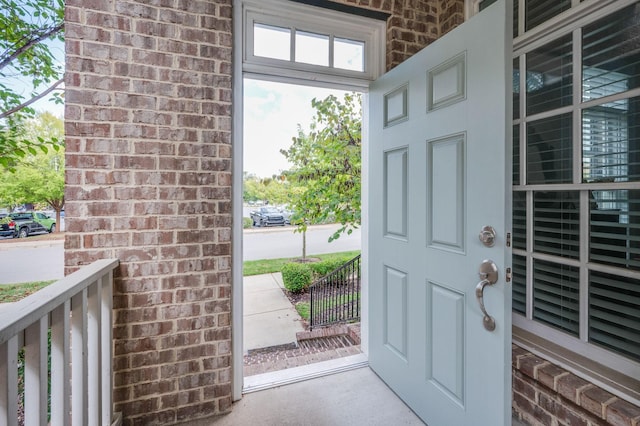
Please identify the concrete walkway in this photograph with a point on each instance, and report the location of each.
(269, 318)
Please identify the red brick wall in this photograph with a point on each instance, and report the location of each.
(148, 160)
(451, 15)
(148, 134)
(545, 395)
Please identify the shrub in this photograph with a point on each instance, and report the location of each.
(322, 268)
(247, 222)
(296, 276)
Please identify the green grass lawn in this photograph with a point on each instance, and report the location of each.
(15, 292)
(303, 309)
(266, 266)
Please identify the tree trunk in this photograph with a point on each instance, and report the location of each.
(304, 245)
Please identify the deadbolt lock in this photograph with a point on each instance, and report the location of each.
(488, 236)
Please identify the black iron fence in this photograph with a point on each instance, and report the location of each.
(336, 296)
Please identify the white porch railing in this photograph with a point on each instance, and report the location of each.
(77, 312)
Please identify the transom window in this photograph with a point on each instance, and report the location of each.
(576, 177)
(308, 48)
(334, 47)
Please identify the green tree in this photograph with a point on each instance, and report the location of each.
(272, 189)
(37, 178)
(27, 27)
(326, 166)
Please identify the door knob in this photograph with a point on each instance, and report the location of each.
(489, 275)
(488, 236)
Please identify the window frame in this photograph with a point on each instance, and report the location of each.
(611, 371)
(337, 25)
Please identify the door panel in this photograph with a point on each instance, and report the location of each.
(395, 195)
(446, 177)
(439, 144)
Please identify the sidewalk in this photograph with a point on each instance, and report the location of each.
(269, 317)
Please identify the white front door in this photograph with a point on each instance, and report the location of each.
(439, 173)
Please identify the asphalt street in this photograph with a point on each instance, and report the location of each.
(277, 242)
(26, 261)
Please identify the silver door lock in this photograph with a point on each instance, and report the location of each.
(488, 236)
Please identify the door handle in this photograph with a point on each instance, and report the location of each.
(489, 275)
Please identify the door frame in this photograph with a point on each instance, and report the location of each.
(237, 141)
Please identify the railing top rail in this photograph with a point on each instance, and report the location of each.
(23, 313)
(343, 266)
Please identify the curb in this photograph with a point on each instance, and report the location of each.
(12, 244)
(285, 228)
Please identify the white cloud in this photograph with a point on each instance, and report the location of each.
(272, 112)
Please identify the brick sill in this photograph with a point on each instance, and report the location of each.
(546, 394)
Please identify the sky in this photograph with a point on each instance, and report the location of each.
(272, 112)
(23, 85)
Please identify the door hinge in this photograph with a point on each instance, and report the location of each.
(507, 275)
(508, 239)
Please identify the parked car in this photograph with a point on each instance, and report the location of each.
(267, 216)
(45, 220)
(286, 213)
(26, 224)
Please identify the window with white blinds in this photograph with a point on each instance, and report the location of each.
(614, 315)
(538, 11)
(576, 177)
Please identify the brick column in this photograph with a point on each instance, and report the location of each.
(148, 133)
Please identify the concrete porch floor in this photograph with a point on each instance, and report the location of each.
(355, 397)
(351, 398)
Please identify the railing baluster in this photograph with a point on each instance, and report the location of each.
(78, 359)
(106, 351)
(60, 359)
(93, 354)
(35, 373)
(9, 382)
(336, 296)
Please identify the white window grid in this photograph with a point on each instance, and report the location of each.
(571, 22)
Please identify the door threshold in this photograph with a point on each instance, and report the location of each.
(305, 372)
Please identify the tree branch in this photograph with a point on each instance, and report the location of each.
(32, 100)
(30, 43)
